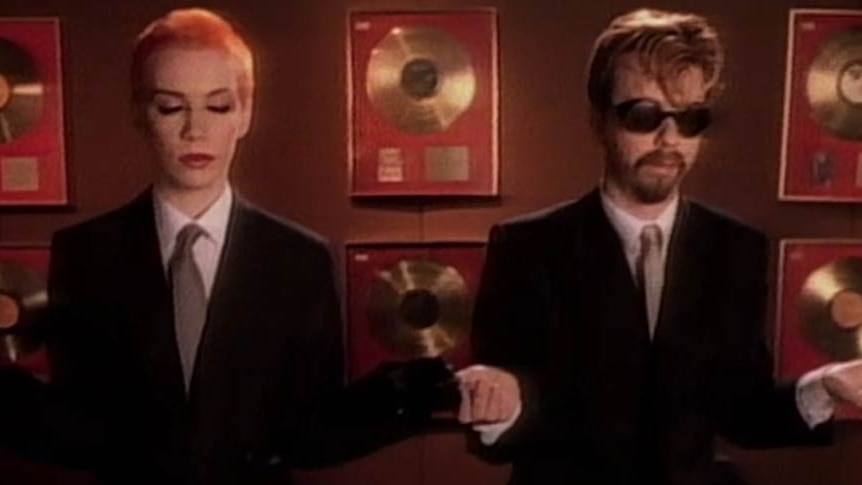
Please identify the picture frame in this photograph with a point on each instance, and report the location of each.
(32, 147)
(821, 151)
(818, 307)
(35, 258)
(397, 309)
(423, 103)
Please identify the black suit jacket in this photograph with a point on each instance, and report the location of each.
(266, 392)
(603, 404)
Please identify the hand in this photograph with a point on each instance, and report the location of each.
(414, 389)
(843, 382)
(488, 395)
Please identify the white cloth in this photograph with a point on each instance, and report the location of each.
(814, 403)
(629, 228)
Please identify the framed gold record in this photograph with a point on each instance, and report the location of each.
(821, 157)
(23, 299)
(819, 306)
(32, 149)
(423, 103)
(410, 300)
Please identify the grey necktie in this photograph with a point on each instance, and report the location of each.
(651, 272)
(190, 303)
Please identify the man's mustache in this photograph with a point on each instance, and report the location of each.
(663, 158)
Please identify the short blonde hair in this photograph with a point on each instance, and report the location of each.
(195, 28)
(664, 43)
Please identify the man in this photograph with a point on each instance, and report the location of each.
(622, 331)
(199, 339)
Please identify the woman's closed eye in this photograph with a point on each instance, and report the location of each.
(220, 108)
(169, 109)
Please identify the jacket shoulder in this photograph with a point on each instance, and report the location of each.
(723, 227)
(106, 226)
(566, 216)
(270, 229)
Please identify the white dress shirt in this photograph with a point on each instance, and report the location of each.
(207, 249)
(812, 400)
(629, 228)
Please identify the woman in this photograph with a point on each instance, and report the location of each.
(200, 338)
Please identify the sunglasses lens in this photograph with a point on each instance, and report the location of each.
(693, 121)
(641, 116)
(645, 116)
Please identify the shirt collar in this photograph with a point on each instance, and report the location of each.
(170, 220)
(629, 227)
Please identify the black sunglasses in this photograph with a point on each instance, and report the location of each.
(645, 116)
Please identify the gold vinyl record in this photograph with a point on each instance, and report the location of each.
(834, 84)
(23, 297)
(420, 78)
(21, 92)
(831, 308)
(419, 308)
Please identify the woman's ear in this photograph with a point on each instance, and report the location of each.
(247, 111)
(139, 116)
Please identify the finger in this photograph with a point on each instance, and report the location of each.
(493, 408)
(481, 396)
(465, 416)
(470, 372)
(508, 403)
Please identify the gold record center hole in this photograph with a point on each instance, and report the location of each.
(846, 309)
(419, 309)
(420, 79)
(10, 311)
(5, 91)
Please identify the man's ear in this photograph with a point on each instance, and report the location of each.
(598, 124)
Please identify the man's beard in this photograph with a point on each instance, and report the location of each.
(648, 189)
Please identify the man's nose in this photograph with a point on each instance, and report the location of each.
(667, 134)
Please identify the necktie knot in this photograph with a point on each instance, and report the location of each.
(186, 238)
(651, 238)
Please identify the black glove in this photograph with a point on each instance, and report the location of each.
(21, 401)
(412, 390)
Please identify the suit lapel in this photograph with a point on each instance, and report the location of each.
(608, 278)
(605, 325)
(150, 307)
(223, 311)
(685, 265)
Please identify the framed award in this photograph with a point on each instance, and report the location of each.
(819, 306)
(821, 156)
(32, 153)
(423, 103)
(410, 300)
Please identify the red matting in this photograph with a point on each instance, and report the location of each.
(37, 258)
(816, 165)
(365, 261)
(795, 354)
(385, 161)
(33, 165)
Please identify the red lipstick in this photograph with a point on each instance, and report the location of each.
(196, 160)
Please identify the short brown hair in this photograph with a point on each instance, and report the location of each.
(194, 28)
(664, 42)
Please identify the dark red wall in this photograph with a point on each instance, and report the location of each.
(294, 161)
